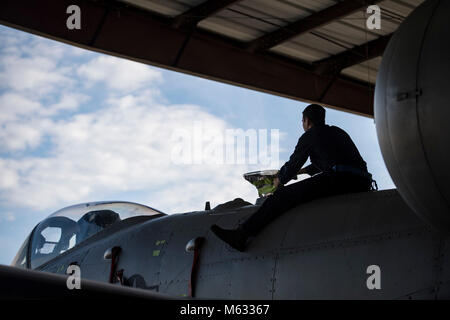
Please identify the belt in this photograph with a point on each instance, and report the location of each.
(352, 170)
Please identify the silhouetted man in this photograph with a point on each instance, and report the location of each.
(336, 168)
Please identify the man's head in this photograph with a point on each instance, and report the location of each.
(313, 115)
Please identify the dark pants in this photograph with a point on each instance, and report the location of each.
(287, 197)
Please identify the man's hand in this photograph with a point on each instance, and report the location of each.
(276, 182)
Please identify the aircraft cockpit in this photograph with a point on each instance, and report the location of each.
(70, 226)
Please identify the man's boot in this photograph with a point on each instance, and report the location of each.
(235, 238)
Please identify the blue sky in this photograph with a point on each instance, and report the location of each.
(78, 126)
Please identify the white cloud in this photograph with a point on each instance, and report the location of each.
(36, 86)
(123, 148)
(119, 74)
(7, 216)
(123, 144)
(34, 75)
(68, 101)
(19, 136)
(24, 122)
(10, 177)
(13, 106)
(34, 66)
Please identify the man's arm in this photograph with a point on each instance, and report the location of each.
(301, 171)
(311, 170)
(296, 160)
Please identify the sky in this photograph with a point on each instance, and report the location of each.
(78, 126)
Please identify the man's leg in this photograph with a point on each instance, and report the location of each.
(286, 198)
(282, 200)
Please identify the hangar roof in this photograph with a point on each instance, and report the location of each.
(309, 50)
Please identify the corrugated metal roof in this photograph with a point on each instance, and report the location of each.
(366, 71)
(248, 20)
(165, 8)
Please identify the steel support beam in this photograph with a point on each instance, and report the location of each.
(354, 56)
(315, 20)
(193, 16)
(136, 34)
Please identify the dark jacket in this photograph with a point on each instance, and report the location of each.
(326, 146)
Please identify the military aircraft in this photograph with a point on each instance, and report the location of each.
(391, 244)
(177, 255)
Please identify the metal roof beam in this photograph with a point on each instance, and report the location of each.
(367, 51)
(139, 35)
(315, 20)
(193, 16)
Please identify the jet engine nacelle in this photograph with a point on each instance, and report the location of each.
(412, 111)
